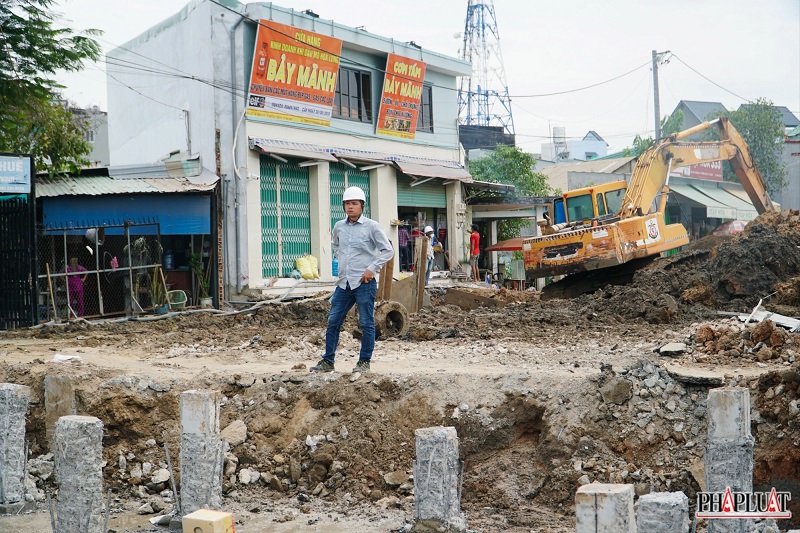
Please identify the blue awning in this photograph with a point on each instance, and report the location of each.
(177, 214)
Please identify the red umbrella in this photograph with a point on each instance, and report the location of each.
(511, 245)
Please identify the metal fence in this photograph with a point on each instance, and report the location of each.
(96, 271)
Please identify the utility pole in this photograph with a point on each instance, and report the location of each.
(657, 56)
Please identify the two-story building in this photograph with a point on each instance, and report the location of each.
(291, 109)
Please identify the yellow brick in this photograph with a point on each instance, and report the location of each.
(208, 521)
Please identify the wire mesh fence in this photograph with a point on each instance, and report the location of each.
(100, 271)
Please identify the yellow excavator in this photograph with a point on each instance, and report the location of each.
(621, 224)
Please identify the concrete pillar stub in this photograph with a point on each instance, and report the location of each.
(59, 400)
(728, 458)
(437, 487)
(604, 508)
(201, 451)
(728, 413)
(664, 512)
(14, 400)
(78, 456)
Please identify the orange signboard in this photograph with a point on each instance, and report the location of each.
(294, 74)
(400, 100)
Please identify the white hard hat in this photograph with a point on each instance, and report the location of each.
(428, 229)
(354, 193)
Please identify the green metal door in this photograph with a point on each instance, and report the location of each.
(285, 216)
(339, 175)
(429, 194)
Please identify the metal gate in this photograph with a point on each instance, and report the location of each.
(18, 304)
(427, 194)
(341, 177)
(285, 215)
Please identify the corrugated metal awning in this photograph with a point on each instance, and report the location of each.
(714, 209)
(303, 151)
(434, 171)
(489, 186)
(101, 185)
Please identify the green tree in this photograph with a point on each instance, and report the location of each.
(669, 124)
(672, 123)
(32, 51)
(52, 134)
(511, 166)
(761, 126)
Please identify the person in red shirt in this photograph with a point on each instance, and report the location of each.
(475, 251)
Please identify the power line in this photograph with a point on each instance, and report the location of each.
(710, 80)
(615, 78)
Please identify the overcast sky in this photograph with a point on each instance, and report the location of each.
(727, 51)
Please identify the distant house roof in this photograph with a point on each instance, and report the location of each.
(786, 116)
(557, 174)
(594, 134)
(185, 175)
(701, 110)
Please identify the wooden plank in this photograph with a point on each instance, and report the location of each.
(385, 283)
(419, 269)
(467, 300)
(404, 292)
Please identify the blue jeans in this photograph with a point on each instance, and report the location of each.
(428, 271)
(343, 300)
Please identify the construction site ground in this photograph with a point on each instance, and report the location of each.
(545, 395)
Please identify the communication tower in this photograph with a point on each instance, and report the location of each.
(483, 98)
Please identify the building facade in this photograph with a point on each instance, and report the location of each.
(293, 108)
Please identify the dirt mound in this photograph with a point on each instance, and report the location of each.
(719, 274)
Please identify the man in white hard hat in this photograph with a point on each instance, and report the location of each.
(429, 263)
(362, 248)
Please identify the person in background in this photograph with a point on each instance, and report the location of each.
(475, 251)
(75, 285)
(362, 248)
(404, 243)
(429, 263)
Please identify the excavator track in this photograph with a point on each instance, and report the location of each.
(580, 283)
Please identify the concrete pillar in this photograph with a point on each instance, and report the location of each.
(493, 238)
(201, 451)
(14, 400)
(383, 204)
(59, 400)
(249, 222)
(604, 508)
(728, 458)
(78, 456)
(319, 185)
(665, 512)
(437, 488)
(456, 220)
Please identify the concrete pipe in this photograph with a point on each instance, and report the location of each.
(391, 319)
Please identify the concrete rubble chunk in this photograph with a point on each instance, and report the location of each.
(672, 349)
(664, 512)
(604, 508)
(235, 433)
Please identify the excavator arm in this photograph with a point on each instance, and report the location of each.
(651, 174)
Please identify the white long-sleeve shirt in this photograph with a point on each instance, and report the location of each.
(359, 246)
